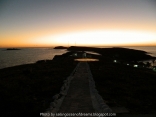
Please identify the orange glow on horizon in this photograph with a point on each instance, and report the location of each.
(84, 38)
(82, 23)
(100, 38)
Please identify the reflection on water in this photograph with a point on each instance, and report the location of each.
(26, 55)
(31, 55)
(86, 59)
(92, 52)
(151, 50)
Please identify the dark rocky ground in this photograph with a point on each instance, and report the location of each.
(27, 90)
(125, 88)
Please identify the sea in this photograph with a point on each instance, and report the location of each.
(9, 58)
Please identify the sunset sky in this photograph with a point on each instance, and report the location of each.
(46, 23)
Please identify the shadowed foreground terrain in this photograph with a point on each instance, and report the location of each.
(125, 87)
(28, 89)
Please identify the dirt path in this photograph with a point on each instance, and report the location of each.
(78, 98)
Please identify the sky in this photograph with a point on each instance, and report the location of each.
(47, 23)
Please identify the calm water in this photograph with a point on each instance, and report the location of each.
(151, 50)
(31, 55)
(28, 55)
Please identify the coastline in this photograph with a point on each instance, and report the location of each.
(31, 55)
(26, 56)
(31, 87)
(28, 89)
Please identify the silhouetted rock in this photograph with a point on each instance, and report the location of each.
(116, 53)
(13, 49)
(60, 47)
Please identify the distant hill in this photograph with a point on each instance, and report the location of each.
(116, 53)
(13, 49)
(60, 47)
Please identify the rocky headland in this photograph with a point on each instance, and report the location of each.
(28, 89)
